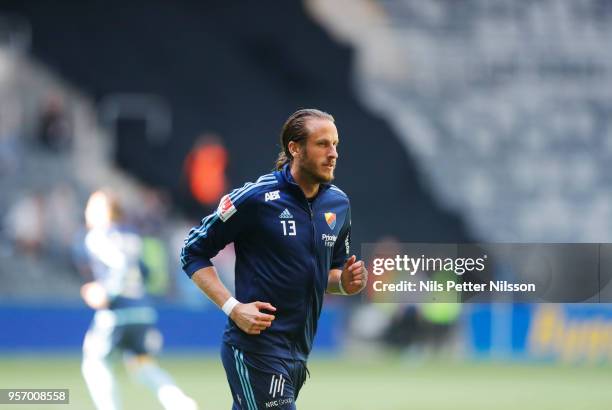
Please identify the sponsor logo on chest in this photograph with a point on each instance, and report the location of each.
(329, 240)
(272, 195)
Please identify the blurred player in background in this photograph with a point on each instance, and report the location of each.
(124, 320)
(291, 232)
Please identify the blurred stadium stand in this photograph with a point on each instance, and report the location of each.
(239, 77)
(504, 105)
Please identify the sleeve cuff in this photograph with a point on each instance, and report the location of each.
(339, 264)
(194, 266)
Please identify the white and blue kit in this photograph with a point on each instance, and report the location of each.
(127, 325)
(285, 247)
(128, 322)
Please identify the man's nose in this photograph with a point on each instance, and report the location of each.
(333, 152)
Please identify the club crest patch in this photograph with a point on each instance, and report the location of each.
(330, 218)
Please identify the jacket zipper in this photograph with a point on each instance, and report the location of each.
(308, 301)
(315, 259)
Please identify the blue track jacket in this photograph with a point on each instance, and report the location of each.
(285, 247)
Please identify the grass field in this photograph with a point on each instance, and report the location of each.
(348, 384)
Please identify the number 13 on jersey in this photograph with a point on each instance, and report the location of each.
(288, 227)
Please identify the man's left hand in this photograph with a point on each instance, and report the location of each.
(354, 276)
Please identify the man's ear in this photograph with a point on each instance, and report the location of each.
(294, 148)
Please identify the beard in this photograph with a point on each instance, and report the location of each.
(311, 170)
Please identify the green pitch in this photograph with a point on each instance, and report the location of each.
(347, 384)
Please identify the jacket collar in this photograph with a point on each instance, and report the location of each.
(286, 180)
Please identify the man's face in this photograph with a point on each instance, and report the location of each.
(97, 211)
(317, 157)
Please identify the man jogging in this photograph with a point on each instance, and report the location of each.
(125, 320)
(291, 233)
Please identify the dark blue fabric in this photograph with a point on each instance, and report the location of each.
(262, 382)
(285, 248)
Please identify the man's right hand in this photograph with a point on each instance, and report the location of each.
(94, 295)
(249, 318)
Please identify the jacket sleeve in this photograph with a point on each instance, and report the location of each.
(223, 226)
(342, 247)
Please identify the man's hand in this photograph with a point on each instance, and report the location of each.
(354, 276)
(250, 319)
(94, 295)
